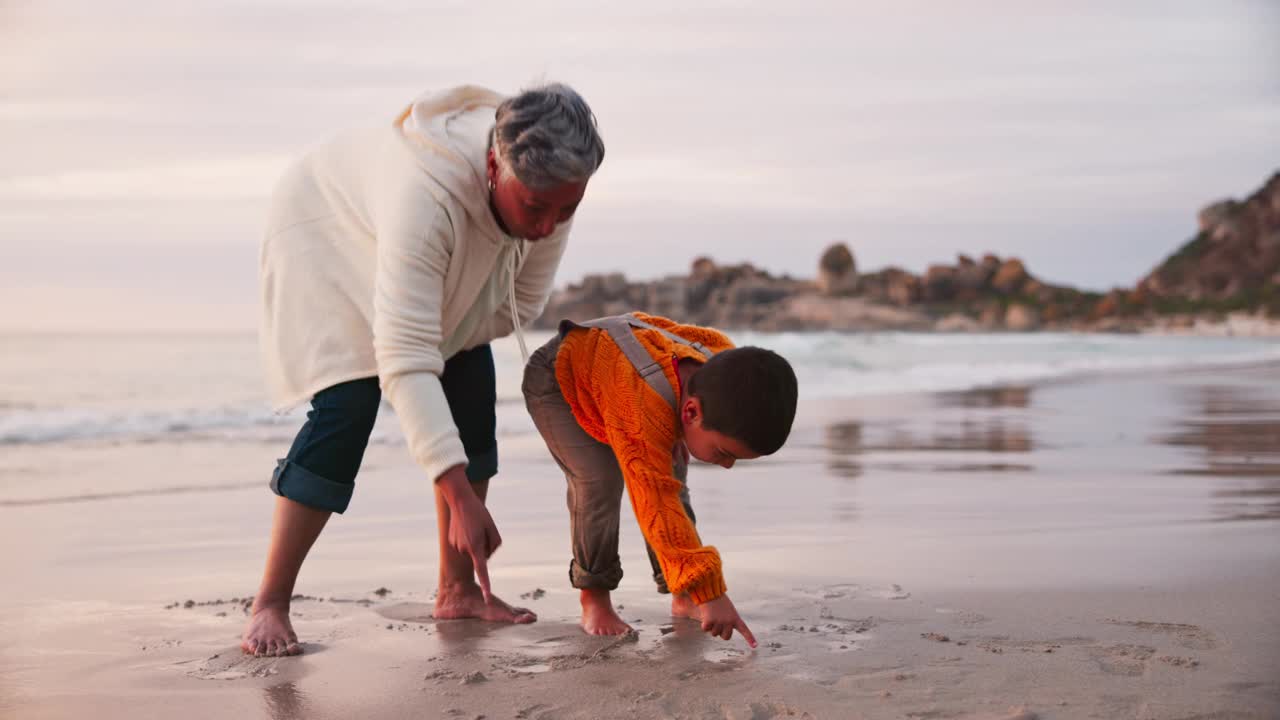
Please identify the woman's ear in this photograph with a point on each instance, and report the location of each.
(491, 168)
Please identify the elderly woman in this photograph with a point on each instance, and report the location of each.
(392, 258)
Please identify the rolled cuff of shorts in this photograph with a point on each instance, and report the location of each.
(291, 480)
(483, 466)
(584, 579)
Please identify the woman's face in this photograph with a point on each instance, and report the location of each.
(531, 214)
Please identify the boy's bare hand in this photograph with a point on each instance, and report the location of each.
(471, 527)
(720, 618)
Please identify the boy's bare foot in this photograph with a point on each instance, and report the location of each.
(467, 601)
(598, 615)
(270, 633)
(683, 606)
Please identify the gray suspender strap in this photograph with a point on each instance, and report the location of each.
(702, 349)
(620, 330)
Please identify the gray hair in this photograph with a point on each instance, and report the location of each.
(546, 136)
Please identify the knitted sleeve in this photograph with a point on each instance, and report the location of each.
(643, 450)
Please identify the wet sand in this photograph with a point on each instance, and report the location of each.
(1101, 548)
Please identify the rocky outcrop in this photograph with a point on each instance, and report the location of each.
(960, 297)
(1232, 264)
(721, 296)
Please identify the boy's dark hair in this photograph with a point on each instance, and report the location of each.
(749, 394)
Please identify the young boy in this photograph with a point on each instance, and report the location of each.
(628, 399)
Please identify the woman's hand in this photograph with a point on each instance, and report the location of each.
(720, 618)
(472, 531)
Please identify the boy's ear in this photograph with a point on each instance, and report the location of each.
(691, 411)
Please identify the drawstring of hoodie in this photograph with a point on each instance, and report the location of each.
(514, 260)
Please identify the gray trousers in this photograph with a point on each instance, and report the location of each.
(593, 476)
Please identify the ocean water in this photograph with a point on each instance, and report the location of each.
(143, 388)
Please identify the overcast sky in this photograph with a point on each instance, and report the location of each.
(139, 140)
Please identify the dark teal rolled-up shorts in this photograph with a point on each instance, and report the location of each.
(320, 469)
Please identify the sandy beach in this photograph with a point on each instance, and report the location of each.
(1102, 547)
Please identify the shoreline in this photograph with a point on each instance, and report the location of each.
(1241, 323)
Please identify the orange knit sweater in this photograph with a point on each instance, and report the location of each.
(614, 405)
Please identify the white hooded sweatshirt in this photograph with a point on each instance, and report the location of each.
(382, 257)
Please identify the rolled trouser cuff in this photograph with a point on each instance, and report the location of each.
(291, 480)
(584, 579)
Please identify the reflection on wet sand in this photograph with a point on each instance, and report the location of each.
(285, 702)
(1238, 434)
(981, 434)
(1015, 396)
(986, 420)
(844, 442)
(991, 420)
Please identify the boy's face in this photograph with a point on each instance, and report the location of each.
(710, 446)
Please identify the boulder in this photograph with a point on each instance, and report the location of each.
(991, 317)
(901, 287)
(1010, 277)
(957, 322)
(754, 291)
(1020, 318)
(837, 271)
(702, 269)
(667, 297)
(603, 287)
(939, 283)
(971, 279)
(1039, 291)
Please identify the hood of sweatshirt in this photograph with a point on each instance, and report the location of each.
(449, 132)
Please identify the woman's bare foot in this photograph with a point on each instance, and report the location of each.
(598, 615)
(270, 633)
(683, 606)
(466, 601)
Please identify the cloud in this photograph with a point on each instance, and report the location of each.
(237, 177)
(57, 308)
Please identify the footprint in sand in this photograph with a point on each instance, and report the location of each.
(849, 591)
(1017, 714)
(761, 711)
(836, 592)
(724, 655)
(1192, 637)
(526, 666)
(536, 712)
(964, 617)
(233, 664)
(1178, 661)
(1125, 660)
(1001, 644)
